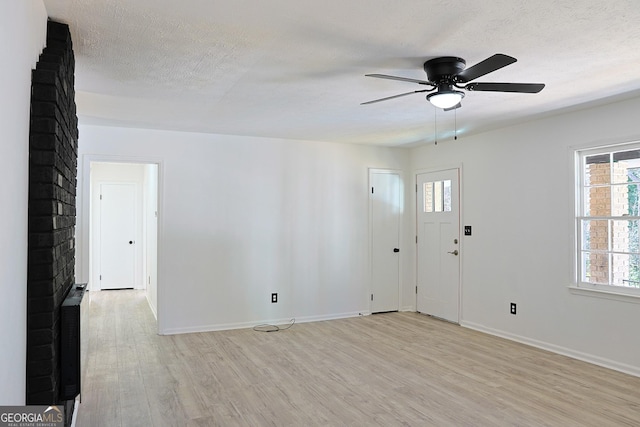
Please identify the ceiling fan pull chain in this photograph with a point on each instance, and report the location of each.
(435, 126)
(455, 124)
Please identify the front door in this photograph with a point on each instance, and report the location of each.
(117, 236)
(385, 206)
(438, 223)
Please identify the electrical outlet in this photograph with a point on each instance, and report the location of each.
(513, 308)
(274, 297)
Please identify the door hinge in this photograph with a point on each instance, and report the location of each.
(416, 289)
(371, 297)
(101, 277)
(101, 197)
(416, 240)
(416, 188)
(371, 190)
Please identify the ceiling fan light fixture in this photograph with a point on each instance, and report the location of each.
(445, 98)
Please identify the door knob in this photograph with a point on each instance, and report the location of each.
(455, 252)
(396, 250)
(131, 242)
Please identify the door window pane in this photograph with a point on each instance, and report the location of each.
(428, 196)
(437, 196)
(447, 195)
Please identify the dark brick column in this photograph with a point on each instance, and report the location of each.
(53, 154)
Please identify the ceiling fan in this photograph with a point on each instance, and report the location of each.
(448, 72)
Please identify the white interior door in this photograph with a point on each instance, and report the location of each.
(117, 236)
(385, 206)
(438, 222)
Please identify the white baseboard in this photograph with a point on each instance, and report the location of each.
(323, 317)
(76, 406)
(585, 357)
(153, 309)
(244, 325)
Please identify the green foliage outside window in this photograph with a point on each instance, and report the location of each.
(634, 240)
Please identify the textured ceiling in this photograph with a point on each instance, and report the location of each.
(295, 68)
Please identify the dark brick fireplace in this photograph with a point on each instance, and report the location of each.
(53, 154)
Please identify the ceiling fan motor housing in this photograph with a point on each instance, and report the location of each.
(444, 68)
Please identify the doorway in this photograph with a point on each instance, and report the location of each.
(438, 245)
(385, 210)
(123, 227)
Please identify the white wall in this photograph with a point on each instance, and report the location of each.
(151, 235)
(22, 37)
(242, 217)
(518, 196)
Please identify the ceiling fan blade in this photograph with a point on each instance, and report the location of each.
(395, 96)
(506, 87)
(402, 79)
(458, 105)
(487, 66)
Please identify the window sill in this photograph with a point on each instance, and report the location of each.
(599, 293)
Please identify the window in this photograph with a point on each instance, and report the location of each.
(608, 218)
(437, 196)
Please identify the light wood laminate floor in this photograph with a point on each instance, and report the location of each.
(395, 369)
